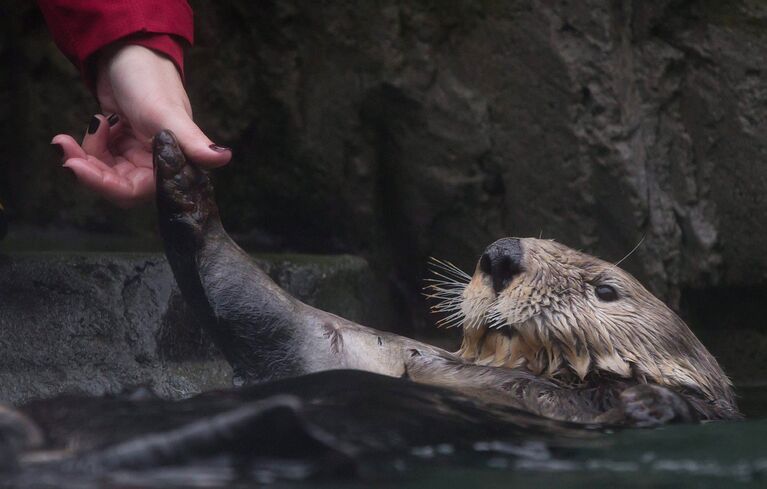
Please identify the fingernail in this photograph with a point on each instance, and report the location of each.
(58, 149)
(113, 119)
(219, 149)
(93, 125)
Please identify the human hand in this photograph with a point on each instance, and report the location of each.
(144, 92)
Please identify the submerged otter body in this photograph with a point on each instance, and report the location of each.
(546, 329)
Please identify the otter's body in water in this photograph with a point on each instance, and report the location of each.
(546, 329)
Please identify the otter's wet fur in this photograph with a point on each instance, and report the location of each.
(550, 321)
(540, 344)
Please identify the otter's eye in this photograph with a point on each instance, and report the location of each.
(606, 293)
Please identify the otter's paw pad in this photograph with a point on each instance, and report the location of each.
(648, 405)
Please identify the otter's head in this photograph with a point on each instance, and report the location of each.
(542, 306)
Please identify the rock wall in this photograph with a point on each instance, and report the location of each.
(406, 129)
(102, 323)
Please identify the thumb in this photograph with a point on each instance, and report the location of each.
(196, 145)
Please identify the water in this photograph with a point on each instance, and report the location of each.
(722, 454)
(709, 456)
(714, 455)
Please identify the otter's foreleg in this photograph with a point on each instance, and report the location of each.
(270, 334)
(262, 330)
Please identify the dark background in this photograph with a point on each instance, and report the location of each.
(402, 130)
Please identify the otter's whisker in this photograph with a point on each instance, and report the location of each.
(452, 320)
(447, 279)
(452, 288)
(440, 281)
(443, 295)
(448, 268)
(474, 323)
(495, 317)
(438, 289)
(442, 301)
(632, 251)
(445, 307)
(447, 289)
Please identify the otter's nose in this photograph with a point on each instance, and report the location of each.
(502, 260)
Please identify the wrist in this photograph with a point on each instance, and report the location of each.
(123, 59)
(130, 74)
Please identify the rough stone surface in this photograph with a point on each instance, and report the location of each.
(432, 128)
(405, 129)
(103, 323)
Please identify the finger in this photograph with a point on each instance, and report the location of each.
(69, 147)
(96, 139)
(94, 162)
(88, 174)
(114, 121)
(196, 145)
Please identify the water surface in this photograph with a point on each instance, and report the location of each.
(720, 454)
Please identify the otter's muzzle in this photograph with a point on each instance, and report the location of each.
(502, 261)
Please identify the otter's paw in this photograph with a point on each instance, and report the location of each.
(648, 405)
(181, 185)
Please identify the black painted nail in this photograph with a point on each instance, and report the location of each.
(58, 149)
(113, 119)
(93, 125)
(219, 149)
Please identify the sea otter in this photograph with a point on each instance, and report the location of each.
(546, 329)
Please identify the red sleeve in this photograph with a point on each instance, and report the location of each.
(81, 28)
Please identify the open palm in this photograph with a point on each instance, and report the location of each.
(113, 162)
(145, 93)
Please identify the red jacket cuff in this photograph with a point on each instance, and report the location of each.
(170, 46)
(81, 28)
